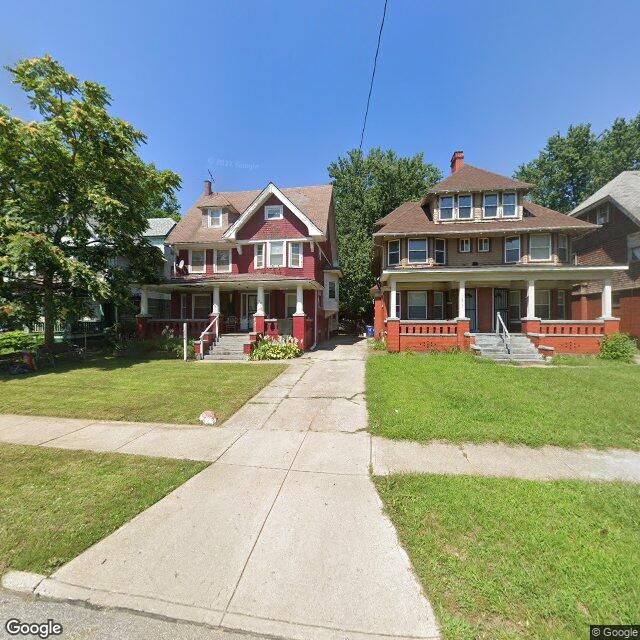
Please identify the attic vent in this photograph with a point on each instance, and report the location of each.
(527, 214)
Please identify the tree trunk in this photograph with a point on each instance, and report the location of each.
(48, 310)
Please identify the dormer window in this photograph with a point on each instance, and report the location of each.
(465, 207)
(215, 218)
(446, 207)
(508, 205)
(273, 212)
(490, 205)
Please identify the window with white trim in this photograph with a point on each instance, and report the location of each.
(417, 305)
(446, 207)
(276, 254)
(290, 304)
(543, 304)
(201, 306)
(215, 218)
(540, 246)
(484, 245)
(464, 245)
(417, 250)
(197, 261)
(222, 260)
(465, 207)
(490, 205)
(509, 202)
(562, 304)
(512, 249)
(440, 251)
(295, 255)
(258, 257)
(393, 253)
(438, 305)
(273, 212)
(332, 289)
(563, 248)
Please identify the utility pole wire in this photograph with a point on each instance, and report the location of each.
(373, 75)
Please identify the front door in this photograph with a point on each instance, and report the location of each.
(501, 306)
(248, 306)
(470, 306)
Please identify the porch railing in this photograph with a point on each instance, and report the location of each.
(503, 332)
(428, 327)
(194, 327)
(572, 327)
(212, 325)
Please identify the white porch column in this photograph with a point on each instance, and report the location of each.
(462, 313)
(260, 303)
(215, 309)
(606, 299)
(531, 299)
(144, 302)
(391, 312)
(299, 301)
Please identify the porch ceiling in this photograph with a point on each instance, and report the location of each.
(240, 285)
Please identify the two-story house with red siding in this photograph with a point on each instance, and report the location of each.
(615, 208)
(474, 259)
(250, 263)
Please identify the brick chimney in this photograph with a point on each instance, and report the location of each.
(457, 161)
(207, 187)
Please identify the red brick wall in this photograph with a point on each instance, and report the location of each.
(628, 310)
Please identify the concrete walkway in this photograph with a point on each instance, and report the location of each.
(283, 535)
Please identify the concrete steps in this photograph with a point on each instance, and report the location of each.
(521, 351)
(228, 347)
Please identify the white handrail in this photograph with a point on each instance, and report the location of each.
(503, 332)
(215, 334)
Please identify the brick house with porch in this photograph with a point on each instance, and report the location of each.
(615, 208)
(249, 263)
(474, 257)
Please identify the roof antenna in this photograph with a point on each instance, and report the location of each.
(211, 176)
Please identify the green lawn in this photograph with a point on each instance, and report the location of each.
(460, 398)
(516, 559)
(141, 391)
(54, 504)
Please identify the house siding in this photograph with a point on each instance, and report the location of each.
(257, 228)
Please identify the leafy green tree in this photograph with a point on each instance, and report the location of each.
(572, 166)
(366, 188)
(74, 199)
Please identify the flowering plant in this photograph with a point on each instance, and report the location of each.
(208, 418)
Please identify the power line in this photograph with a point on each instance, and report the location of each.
(373, 74)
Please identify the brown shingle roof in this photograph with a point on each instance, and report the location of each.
(470, 178)
(314, 202)
(411, 217)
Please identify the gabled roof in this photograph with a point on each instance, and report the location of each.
(159, 227)
(263, 196)
(314, 202)
(623, 191)
(470, 178)
(412, 217)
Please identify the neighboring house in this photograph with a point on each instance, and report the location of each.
(473, 254)
(259, 262)
(616, 209)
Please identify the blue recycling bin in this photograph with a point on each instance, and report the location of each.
(369, 331)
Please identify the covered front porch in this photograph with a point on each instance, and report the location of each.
(212, 310)
(420, 310)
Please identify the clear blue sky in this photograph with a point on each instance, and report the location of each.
(259, 91)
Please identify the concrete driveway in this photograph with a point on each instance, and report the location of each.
(284, 534)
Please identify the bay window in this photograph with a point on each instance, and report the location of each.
(512, 249)
(393, 253)
(465, 207)
(295, 255)
(540, 246)
(417, 250)
(276, 254)
(417, 305)
(446, 207)
(508, 205)
(490, 205)
(440, 251)
(197, 261)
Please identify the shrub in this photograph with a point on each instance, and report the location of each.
(276, 349)
(12, 341)
(377, 345)
(618, 346)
